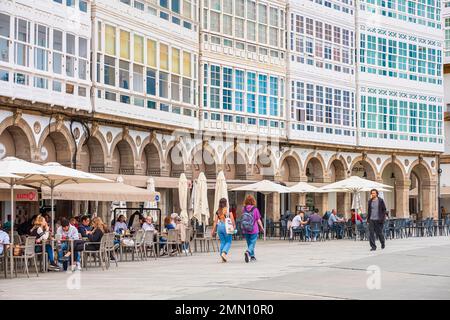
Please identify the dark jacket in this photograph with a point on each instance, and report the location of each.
(96, 236)
(381, 209)
(82, 230)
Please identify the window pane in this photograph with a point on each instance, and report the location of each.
(138, 49)
(187, 71)
(110, 40)
(163, 85)
(4, 25)
(82, 48)
(124, 44)
(70, 43)
(57, 40)
(175, 60)
(151, 53)
(164, 56)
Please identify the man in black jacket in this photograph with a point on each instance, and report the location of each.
(376, 209)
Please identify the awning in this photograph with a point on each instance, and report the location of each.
(141, 181)
(21, 193)
(113, 191)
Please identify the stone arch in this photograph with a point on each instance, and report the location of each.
(290, 167)
(204, 159)
(175, 159)
(315, 168)
(423, 190)
(364, 167)
(122, 155)
(393, 173)
(235, 162)
(151, 157)
(58, 142)
(264, 164)
(92, 154)
(337, 169)
(17, 139)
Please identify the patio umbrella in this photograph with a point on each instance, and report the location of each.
(201, 208)
(303, 187)
(355, 184)
(58, 174)
(15, 172)
(151, 204)
(221, 190)
(118, 203)
(265, 187)
(183, 194)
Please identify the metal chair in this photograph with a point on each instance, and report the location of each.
(28, 253)
(283, 229)
(325, 230)
(173, 240)
(150, 244)
(110, 249)
(136, 245)
(189, 237)
(207, 240)
(316, 230)
(90, 251)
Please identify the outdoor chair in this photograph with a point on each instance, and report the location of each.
(316, 230)
(27, 255)
(362, 230)
(110, 249)
(283, 229)
(429, 227)
(387, 229)
(172, 241)
(325, 230)
(349, 228)
(447, 225)
(150, 244)
(300, 232)
(135, 246)
(92, 253)
(206, 241)
(189, 237)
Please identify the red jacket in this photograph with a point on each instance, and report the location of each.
(358, 217)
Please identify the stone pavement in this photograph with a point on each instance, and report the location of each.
(414, 268)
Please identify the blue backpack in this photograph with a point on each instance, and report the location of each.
(248, 221)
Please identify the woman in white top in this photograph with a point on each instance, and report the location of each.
(41, 231)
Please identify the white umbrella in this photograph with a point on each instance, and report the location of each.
(265, 187)
(221, 190)
(151, 204)
(303, 187)
(59, 175)
(355, 184)
(27, 172)
(201, 208)
(183, 194)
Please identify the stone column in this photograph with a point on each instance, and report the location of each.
(429, 194)
(402, 198)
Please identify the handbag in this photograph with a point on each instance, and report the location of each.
(229, 224)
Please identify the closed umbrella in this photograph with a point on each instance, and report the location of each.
(265, 187)
(221, 190)
(118, 203)
(183, 194)
(151, 204)
(201, 208)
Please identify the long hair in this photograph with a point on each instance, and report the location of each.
(250, 201)
(167, 220)
(98, 224)
(39, 221)
(223, 203)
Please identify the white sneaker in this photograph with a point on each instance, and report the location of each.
(78, 267)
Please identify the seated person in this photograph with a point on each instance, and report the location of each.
(148, 224)
(67, 231)
(120, 224)
(4, 239)
(74, 222)
(333, 222)
(168, 226)
(85, 229)
(97, 234)
(41, 231)
(313, 218)
(182, 232)
(297, 222)
(356, 218)
(134, 223)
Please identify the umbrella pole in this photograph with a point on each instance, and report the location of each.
(53, 209)
(11, 250)
(265, 216)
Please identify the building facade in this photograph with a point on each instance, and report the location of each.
(283, 90)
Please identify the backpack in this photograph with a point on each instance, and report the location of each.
(248, 221)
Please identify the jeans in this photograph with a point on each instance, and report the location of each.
(338, 228)
(48, 250)
(376, 228)
(64, 247)
(251, 243)
(225, 239)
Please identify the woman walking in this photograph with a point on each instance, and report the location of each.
(220, 223)
(250, 225)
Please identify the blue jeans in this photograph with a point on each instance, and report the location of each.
(64, 247)
(225, 239)
(251, 243)
(48, 249)
(338, 228)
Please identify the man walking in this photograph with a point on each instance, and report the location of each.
(376, 215)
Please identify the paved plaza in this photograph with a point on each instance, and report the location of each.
(408, 268)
